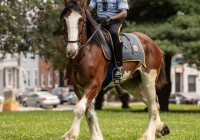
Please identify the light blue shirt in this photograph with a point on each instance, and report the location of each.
(113, 7)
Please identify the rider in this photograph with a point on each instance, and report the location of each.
(114, 12)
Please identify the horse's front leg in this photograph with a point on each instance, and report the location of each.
(79, 111)
(91, 117)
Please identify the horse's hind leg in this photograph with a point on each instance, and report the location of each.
(95, 132)
(148, 80)
(79, 110)
(138, 93)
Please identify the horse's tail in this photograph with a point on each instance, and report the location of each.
(162, 79)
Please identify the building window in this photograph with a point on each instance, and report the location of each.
(177, 81)
(42, 80)
(191, 83)
(50, 80)
(10, 77)
(36, 78)
(28, 78)
(24, 55)
(12, 55)
(24, 77)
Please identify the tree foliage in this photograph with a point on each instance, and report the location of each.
(32, 26)
(174, 25)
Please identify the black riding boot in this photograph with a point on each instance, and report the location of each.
(117, 72)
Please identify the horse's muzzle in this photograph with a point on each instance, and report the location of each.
(71, 54)
(71, 50)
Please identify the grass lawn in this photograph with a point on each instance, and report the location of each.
(115, 124)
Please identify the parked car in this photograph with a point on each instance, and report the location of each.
(195, 96)
(72, 98)
(185, 98)
(28, 91)
(41, 99)
(62, 93)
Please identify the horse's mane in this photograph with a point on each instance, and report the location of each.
(72, 5)
(91, 28)
(91, 24)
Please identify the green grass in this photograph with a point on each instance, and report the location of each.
(172, 107)
(115, 125)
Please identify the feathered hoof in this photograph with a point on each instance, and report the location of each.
(165, 130)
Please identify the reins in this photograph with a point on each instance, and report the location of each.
(66, 41)
(75, 67)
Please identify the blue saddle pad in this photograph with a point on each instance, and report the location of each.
(132, 49)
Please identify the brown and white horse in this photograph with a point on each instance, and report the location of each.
(87, 69)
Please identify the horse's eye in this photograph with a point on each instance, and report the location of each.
(80, 20)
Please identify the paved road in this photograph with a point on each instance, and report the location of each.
(59, 108)
(65, 106)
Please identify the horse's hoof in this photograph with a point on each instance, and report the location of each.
(165, 130)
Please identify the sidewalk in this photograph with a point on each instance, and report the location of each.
(71, 107)
(61, 108)
(120, 103)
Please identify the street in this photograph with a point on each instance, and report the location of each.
(60, 107)
(65, 106)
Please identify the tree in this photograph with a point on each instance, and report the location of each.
(174, 27)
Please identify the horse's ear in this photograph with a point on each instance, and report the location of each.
(82, 3)
(66, 2)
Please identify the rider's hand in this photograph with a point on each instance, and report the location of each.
(109, 19)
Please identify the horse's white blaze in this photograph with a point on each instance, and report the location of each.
(72, 30)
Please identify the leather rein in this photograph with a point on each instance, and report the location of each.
(75, 66)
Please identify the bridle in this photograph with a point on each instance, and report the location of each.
(75, 67)
(81, 33)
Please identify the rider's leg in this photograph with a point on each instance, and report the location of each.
(115, 29)
(117, 73)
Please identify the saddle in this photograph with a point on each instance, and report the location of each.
(132, 48)
(107, 37)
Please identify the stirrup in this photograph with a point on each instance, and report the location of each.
(117, 75)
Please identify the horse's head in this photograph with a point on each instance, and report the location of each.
(73, 18)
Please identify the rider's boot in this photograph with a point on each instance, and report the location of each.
(117, 72)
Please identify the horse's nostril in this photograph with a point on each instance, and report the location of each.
(68, 54)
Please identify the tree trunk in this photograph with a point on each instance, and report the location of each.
(164, 93)
(61, 79)
(123, 96)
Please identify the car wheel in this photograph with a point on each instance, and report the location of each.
(61, 102)
(38, 104)
(20, 99)
(54, 106)
(24, 104)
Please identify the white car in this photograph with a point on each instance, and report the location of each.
(72, 98)
(41, 99)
